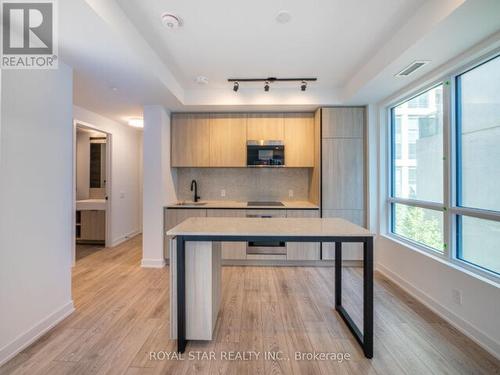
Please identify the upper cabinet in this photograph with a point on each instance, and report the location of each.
(299, 139)
(219, 139)
(190, 140)
(228, 135)
(343, 122)
(266, 126)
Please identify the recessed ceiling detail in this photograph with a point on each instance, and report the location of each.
(283, 17)
(201, 80)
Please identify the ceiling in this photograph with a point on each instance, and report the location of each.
(231, 38)
(124, 58)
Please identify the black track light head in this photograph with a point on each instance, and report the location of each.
(266, 86)
(236, 86)
(303, 86)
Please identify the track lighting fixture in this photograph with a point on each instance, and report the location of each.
(269, 80)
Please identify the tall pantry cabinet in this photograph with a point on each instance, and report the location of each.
(343, 172)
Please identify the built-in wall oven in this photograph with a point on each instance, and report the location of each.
(265, 247)
(265, 153)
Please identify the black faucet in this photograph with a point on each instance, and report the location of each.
(196, 197)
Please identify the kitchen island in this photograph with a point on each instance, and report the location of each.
(195, 267)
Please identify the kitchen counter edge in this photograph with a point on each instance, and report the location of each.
(231, 205)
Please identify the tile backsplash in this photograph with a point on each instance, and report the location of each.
(244, 184)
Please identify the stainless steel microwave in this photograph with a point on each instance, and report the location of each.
(265, 153)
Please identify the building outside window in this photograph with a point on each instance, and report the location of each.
(461, 207)
(478, 164)
(418, 170)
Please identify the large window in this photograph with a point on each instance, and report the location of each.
(446, 190)
(417, 169)
(478, 165)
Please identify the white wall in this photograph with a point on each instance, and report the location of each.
(125, 173)
(35, 204)
(159, 182)
(431, 279)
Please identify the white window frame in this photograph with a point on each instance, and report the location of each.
(449, 206)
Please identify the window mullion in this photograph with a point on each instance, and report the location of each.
(448, 230)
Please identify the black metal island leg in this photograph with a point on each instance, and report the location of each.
(365, 338)
(368, 297)
(181, 295)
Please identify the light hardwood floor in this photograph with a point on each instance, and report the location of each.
(122, 314)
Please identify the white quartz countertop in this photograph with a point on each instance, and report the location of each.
(90, 204)
(298, 205)
(241, 226)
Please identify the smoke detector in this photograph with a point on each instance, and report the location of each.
(170, 21)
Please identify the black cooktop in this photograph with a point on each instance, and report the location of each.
(264, 204)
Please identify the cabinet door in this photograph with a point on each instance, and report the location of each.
(174, 216)
(343, 122)
(190, 140)
(93, 225)
(267, 126)
(299, 139)
(302, 250)
(228, 140)
(343, 173)
(230, 250)
(350, 251)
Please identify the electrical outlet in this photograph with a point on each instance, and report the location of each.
(290, 193)
(223, 193)
(456, 296)
(122, 195)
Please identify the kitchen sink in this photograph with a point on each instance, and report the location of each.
(190, 204)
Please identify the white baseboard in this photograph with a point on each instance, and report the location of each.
(486, 342)
(35, 332)
(124, 238)
(153, 263)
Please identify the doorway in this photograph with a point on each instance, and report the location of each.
(91, 190)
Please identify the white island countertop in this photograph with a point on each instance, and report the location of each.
(241, 226)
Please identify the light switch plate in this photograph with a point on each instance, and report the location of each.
(290, 193)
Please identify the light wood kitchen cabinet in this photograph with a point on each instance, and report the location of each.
(92, 225)
(347, 122)
(299, 139)
(302, 250)
(190, 140)
(230, 250)
(350, 251)
(228, 140)
(343, 173)
(174, 216)
(267, 126)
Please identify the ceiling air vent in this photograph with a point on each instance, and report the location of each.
(412, 68)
